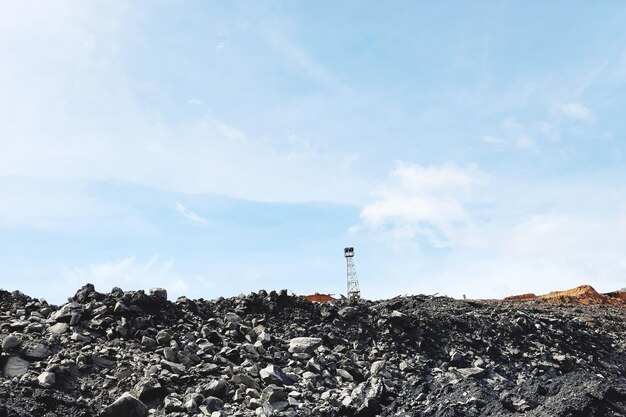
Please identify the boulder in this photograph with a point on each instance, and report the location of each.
(304, 344)
(272, 374)
(15, 366)
(11, 342)
(46, 379)
(159, 294)
(125, 406)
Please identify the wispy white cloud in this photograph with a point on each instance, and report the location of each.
(492, 139)
(93, 122)
(540, 254)
(190, 215)
(297, 55)
(576, 110)
(425, 201)
(526, 143)
(538, 238)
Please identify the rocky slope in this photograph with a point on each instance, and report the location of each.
(270, 354)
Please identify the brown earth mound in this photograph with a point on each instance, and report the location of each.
(617, 294)
(521, 297)
(318, 298)
(585, 294)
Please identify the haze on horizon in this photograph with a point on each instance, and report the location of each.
(218, 148)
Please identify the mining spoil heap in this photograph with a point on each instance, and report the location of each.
(133, 354)
(585, 294)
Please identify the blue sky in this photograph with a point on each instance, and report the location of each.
(217, 148)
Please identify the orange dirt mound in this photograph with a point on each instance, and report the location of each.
(521, 297)
(585, 294)
(319, 298)
(621, 295)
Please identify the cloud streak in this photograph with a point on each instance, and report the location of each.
(190, 215)
(426, 201)
(576, 110)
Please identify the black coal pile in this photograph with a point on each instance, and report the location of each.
(132, 354)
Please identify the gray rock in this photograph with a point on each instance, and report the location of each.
(120, 308)
(274, 399)
(173, 367)
(148, 342)
(217, 388)
(366, 396)
(191, 406)
(65, 312)
(15, 366)
(348, 313)
(159, 294)
(163, 338)
(377, 367)
(80, 338)
(82, 295)
(172, 404)
(245, 380)
(232, 318)
(264, 338)
(404, 366)
(102, 362)
(456, 356)
(344, 374)
(100, 310)
(38, 351)
(75, 319)
(169, 354)
(125, 406)
(11, 342)
(272, 374)
(213, 404)
(59, 328)
(46, 379)
(313, 366)
(184, 358)
(470, 372)
(397, 314)
(304, 344)
(149, 388)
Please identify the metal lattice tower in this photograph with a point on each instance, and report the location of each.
(354, 293)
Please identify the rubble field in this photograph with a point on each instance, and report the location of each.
(136, 354)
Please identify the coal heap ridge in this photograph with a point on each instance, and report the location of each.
(132, 354)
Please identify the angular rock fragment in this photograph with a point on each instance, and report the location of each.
(148, 388)
(125, 406)
(15, 366)
(304, 344)
(163, 338)
(11, 342)
(377, 367)
(46, 379)
(59, 328)
(272, 374)
(217, 388)
(36, 352)
(159, 294)
(173, 367)
(245, 380)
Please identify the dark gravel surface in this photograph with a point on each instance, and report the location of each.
(128, 354)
